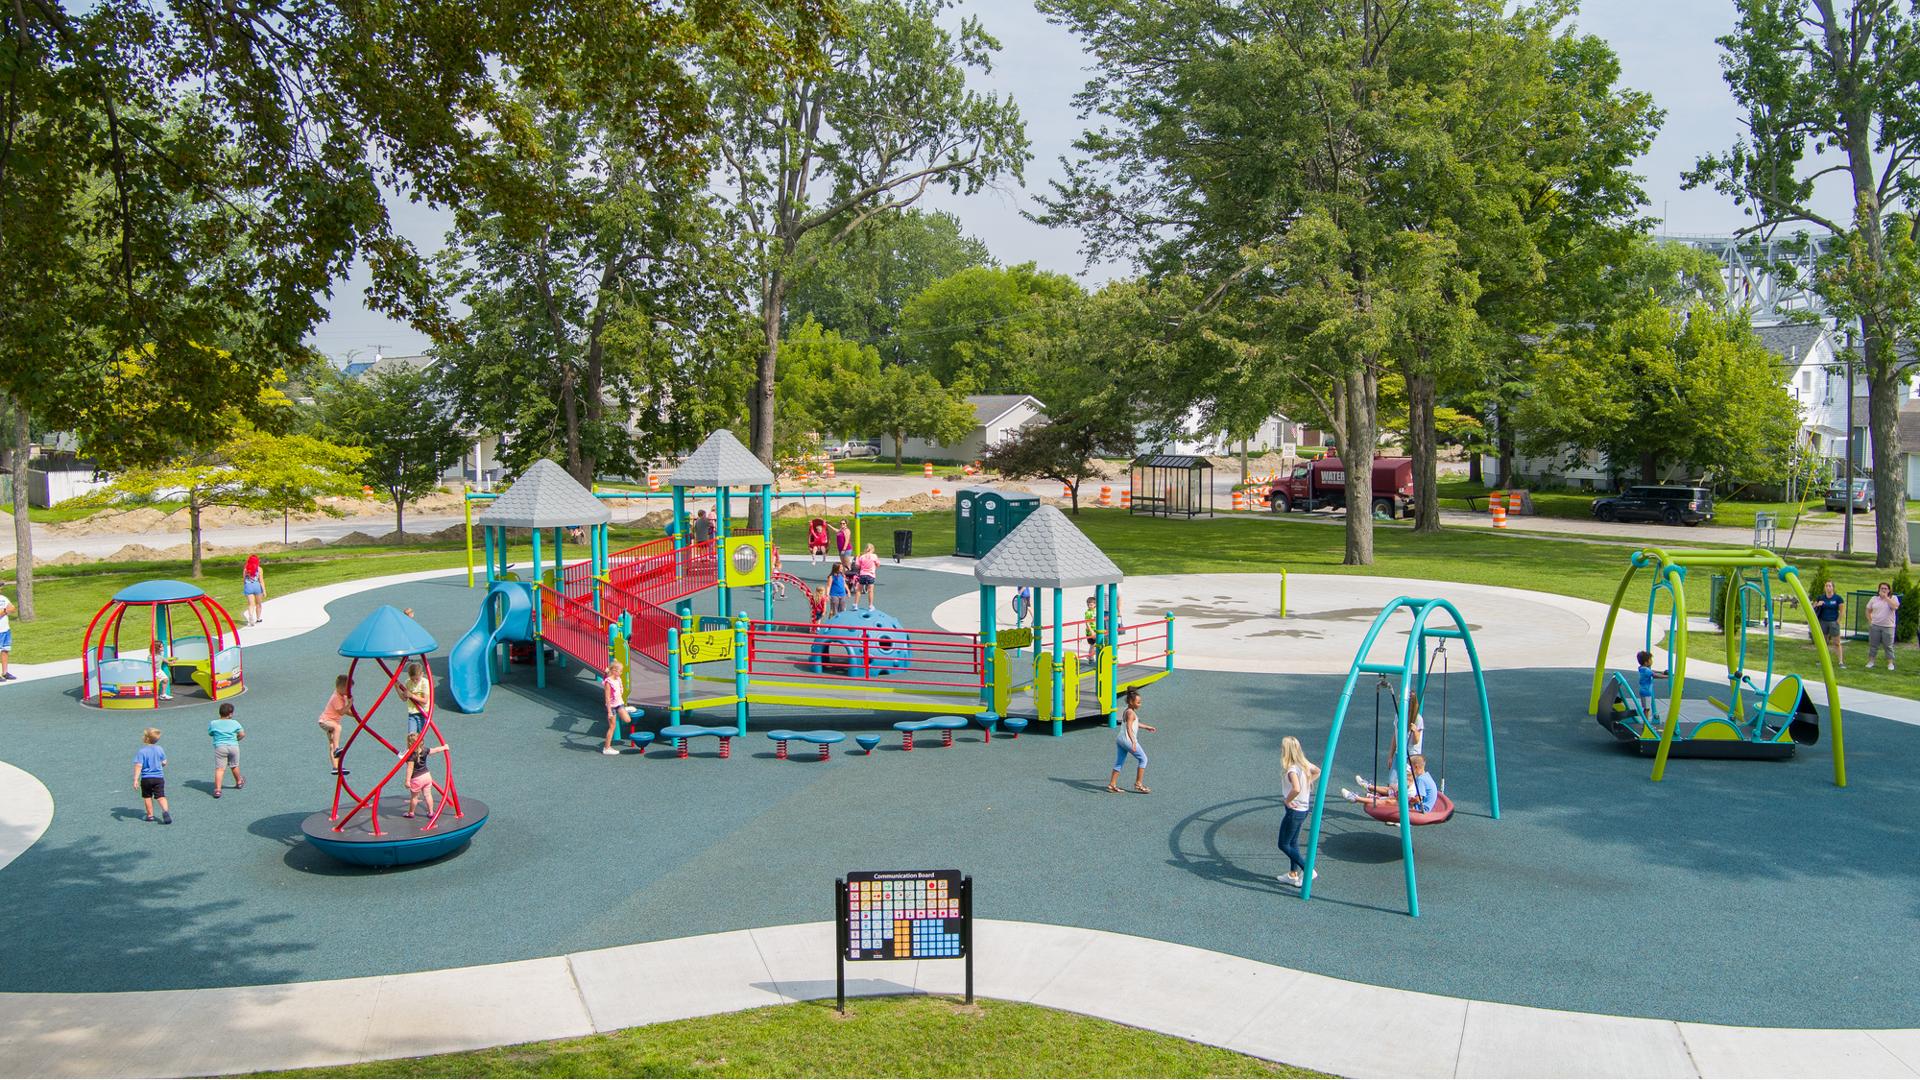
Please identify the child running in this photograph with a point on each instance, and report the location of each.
(150, 774)
(1300, 775)
(226, 734)
(338, 706)
(1127, 744)
(419, 777)
(618, 711)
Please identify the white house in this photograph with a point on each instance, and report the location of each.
(1276, 433)
(995, 416)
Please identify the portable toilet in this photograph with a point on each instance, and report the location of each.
(987, 515)
(964, 501)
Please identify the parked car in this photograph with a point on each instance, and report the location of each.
(1322, 483)
(1862, 494)
(1657, 502)
(853, 448)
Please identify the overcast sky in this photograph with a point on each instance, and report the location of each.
(1666, 47)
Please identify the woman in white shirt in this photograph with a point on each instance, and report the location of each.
(1300, 776)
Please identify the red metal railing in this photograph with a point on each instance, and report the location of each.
(626, 557)
(938, 659)
(573, 627)
(1142, 643)
(576, 581)
(665, 576)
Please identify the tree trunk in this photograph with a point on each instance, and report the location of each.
(399, 515)
(761, 405)
(1476, 473)
(193, 529)
(1649, 468)
(1506, 442)
(1246, 470)
(22, 520)
(1884, 391)
(1360, 390)
(899, 446)
(1425, 448)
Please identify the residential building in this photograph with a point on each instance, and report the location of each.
(480, 464)
(1276, 434)
(995, 416)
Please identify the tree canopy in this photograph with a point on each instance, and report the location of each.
(977, 329)
(857, 288)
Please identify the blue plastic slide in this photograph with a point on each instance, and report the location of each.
(505, 616)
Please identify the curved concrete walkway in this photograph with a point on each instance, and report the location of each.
(1345, 1028)
(1269, 1011)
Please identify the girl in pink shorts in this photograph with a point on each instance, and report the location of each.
(419, 777)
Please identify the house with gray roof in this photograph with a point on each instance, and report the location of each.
(995, 416)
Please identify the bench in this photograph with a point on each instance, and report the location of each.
(1014, 725)
(867, 743)
(823, 739)
(681, 734)
(946, 725)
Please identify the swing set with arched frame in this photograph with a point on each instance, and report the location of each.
(1395, 681)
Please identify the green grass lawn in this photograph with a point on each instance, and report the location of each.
(1454, 495)
(903, 1036)
(67, 597)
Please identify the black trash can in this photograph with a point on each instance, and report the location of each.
(902, 544)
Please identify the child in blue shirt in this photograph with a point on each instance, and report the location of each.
(1646, 676)
(1422, 793)
(836, 591)
(150, 774)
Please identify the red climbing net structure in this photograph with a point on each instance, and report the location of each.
(368, 801)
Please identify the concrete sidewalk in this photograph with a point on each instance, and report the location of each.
(1350, 1029)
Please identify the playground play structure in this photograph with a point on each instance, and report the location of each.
(1395, 680)
(352, 829)
(186, 631)
(1765, 719)
(634, 609)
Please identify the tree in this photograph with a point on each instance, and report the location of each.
(402, 417)
(183, 182)
(1091, 370)
(1333, 240)
(910, 404)
(254, 470)
(858, 288)
(886, 116)
(603, 297)
(1664, 388)
(976, 329)
(1833, 87)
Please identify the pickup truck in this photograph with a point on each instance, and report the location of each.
(1316, 484)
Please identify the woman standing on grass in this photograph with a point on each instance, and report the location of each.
(1300, 775)
(253, 583)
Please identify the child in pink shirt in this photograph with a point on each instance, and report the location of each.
(867, 567)
(618, 711)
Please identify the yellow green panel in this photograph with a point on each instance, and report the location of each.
(1718, 730)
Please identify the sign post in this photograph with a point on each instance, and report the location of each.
(902, 915)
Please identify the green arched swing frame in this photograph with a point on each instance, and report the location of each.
(1670, 570)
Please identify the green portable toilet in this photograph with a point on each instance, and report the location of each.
(964, 501)
(996, 513)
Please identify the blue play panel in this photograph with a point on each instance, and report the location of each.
(1734, 892)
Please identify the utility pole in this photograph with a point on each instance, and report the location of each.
(1846, 528)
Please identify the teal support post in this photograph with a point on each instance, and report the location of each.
(486, 538)
(559, 584)
(1169, 618)
(1404, 672)
(989, 633)
(1059, 663)
(722, 518)
(740, 673)
(539, 648)
(1112, 703)
(673, 675)
(766, 531)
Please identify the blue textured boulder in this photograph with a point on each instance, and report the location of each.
(861, 643)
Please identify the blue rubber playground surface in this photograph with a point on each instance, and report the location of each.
(1735, 892)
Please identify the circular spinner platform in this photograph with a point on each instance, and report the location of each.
(402, 841)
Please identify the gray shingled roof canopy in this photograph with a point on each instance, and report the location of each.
(545, 497)
(1046, 552)
(721, 462)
